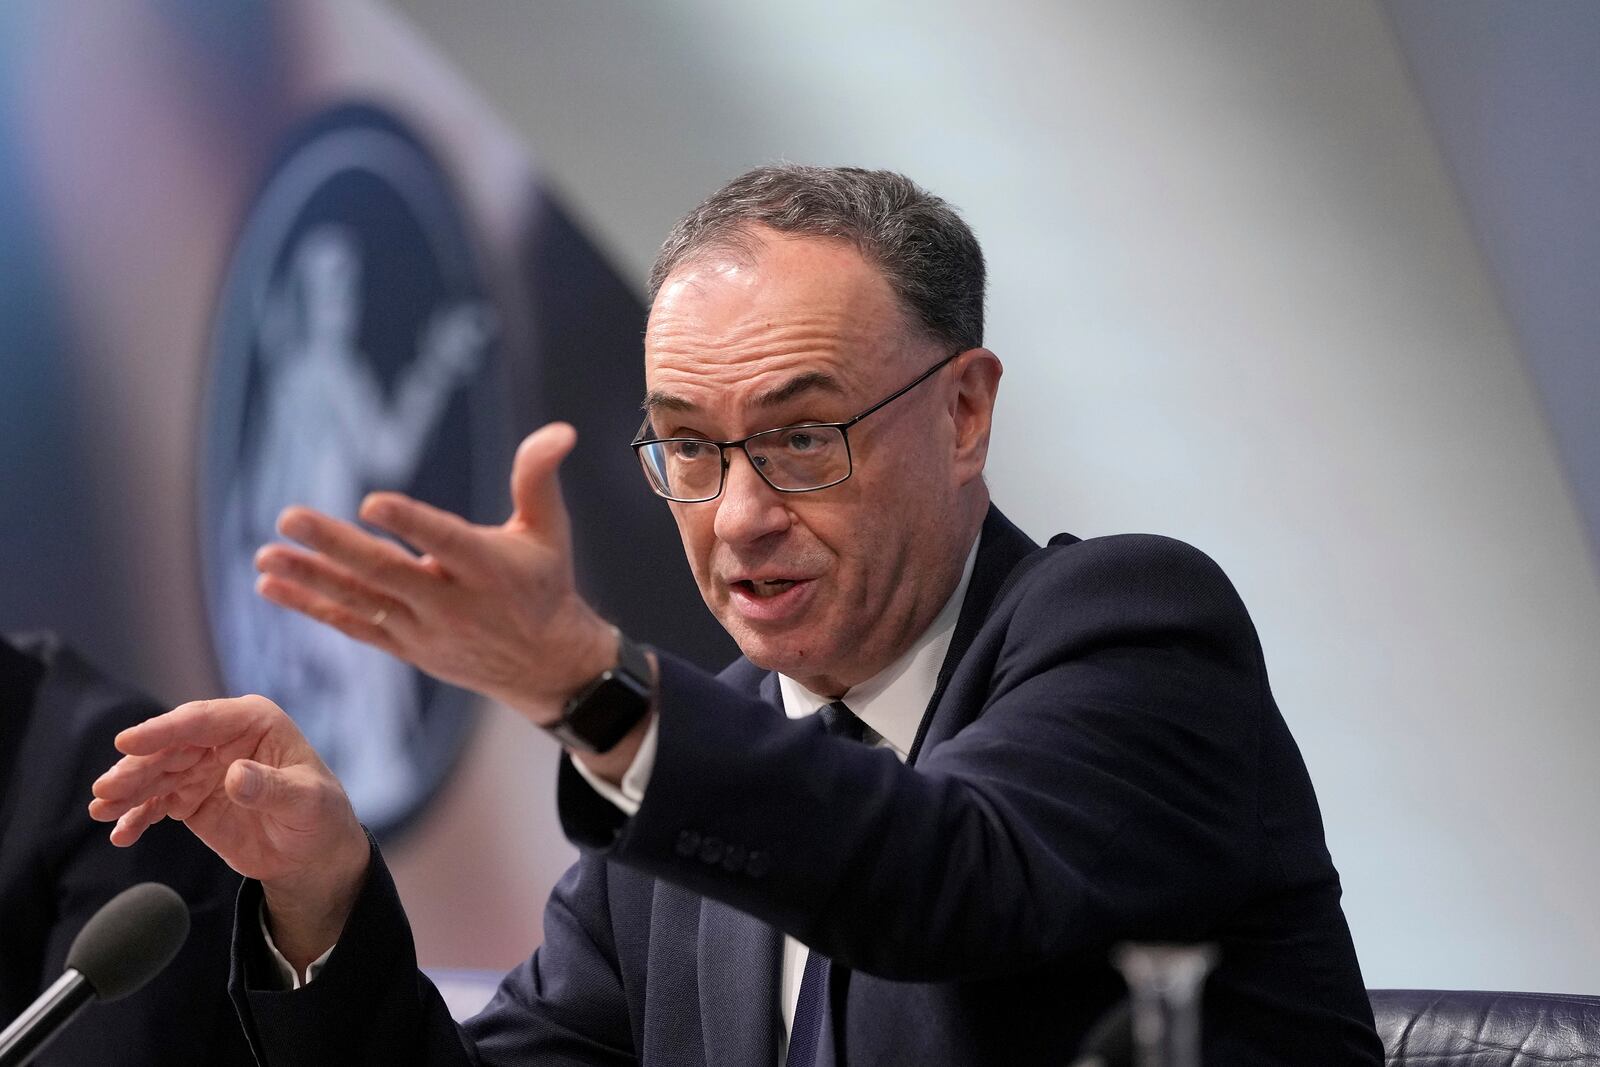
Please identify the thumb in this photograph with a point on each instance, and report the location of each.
(256, 785)
(535, 491)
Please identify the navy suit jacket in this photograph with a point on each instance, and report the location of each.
(57, 719)
(1102, 761)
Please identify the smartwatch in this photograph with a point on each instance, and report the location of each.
(610, 705)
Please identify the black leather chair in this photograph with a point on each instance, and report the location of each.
(1445, 1028)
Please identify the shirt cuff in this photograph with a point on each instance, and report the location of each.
(287, 978)
(630, 794)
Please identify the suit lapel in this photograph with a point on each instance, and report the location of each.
(769, 690)
(1001, 546)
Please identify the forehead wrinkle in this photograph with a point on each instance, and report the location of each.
(759, 336)
(814, 355)
(810, 381)
(844, 351)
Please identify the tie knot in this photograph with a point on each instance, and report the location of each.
(840, 721)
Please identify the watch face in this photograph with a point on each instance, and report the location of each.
(354, 349)
(605, 716)
(604, 713)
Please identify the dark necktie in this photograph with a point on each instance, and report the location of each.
(839, 721)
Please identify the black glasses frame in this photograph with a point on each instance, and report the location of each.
(743, 442)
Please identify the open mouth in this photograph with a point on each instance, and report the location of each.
(771, 601)
(764, 589)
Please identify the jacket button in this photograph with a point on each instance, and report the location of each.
(733, 859)
(688, 842)
(756, 865)
(711, 850)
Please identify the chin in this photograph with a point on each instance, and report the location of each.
(785, 655)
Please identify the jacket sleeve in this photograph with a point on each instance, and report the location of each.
(1114, 703)
(370, 1005)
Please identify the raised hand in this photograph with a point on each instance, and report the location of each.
(241, 776)
(492, 608)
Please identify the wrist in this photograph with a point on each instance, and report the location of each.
(597, 653)
(589, 650)
(306, 915)
(611, 706)
(613, 764)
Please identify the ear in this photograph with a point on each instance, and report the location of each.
(977, 374)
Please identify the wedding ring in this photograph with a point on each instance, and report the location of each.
(378, 616)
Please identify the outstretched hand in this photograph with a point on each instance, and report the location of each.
(243, 778)
(492, 608)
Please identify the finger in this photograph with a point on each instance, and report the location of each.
(368, 628)
(448, 538)
(133, 768)
(135, 778)
(322, 576)
(206, 723)
(132, 825)
(185, 798)
(102, 809)
(377, 560)
(536, 502)
(275, 790)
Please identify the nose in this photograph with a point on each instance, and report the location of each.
(748, 509)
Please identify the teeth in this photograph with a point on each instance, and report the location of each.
(772, 588)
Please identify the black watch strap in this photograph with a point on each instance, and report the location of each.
(610, 705)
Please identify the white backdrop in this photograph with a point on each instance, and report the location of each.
(1238, 303)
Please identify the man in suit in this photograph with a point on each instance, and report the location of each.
(57, 718)
(949, 773)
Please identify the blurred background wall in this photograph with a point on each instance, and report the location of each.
(1312, 286)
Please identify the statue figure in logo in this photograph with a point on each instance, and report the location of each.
(324, 433)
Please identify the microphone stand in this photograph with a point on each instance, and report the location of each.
(44, 1019)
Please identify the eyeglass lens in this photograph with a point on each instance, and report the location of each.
(791, 457)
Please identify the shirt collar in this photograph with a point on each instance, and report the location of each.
(894, 700)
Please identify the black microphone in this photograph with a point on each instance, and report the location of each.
(122, 946)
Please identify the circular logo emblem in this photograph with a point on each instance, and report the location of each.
(352, 352)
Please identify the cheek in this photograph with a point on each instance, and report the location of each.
(695, 531)
(888, 545)
(868, 554)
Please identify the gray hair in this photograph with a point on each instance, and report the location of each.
(925, 251)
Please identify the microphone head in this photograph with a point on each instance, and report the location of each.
(130, 940)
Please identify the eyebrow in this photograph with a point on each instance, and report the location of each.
(811, 381)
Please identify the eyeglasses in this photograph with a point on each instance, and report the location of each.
(792, 459)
